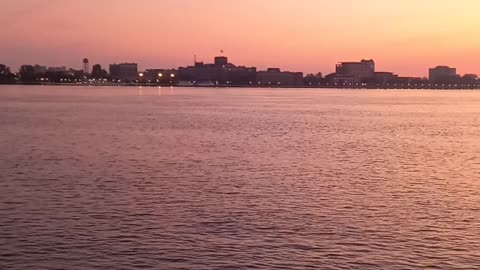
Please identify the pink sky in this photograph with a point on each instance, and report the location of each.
(406, 36)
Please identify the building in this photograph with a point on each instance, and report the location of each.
(470, 77)
(274, 76)
(442, 74)
(37, 69)
(384, 77)
(199, 73)
(57, 70)
(239, 75)
(221, 72)
(160, 76)
(339, 79)
(361, 70)
(124, 71)
(352, 73)
(221, 61)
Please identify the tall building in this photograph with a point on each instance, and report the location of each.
(362, 70)
(124, 71)
(221, 61)
(442, 74)
(274, 76)
(352, 72)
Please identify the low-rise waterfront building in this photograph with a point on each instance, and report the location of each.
(361, 70)
(221, 72)
(384, 77)
(442, 74)
(352, 73)
(276, 77)
(57, 70)
(124, 71)
(160, 76)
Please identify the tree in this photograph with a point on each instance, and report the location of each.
(27, 73)
(4, 70)
(312, 79)
(98, 72)
(5, 74)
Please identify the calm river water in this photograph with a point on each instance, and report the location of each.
(176, 178)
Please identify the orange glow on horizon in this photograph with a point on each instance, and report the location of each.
(406, 37)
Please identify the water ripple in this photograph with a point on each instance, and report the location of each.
(98, 178)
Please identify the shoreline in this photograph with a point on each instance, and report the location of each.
(342, 87)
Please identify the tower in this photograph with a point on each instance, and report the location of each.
(86, 67)
(221, 61)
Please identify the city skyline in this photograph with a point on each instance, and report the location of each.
(407, 37)
(265, 66)
(223, 73)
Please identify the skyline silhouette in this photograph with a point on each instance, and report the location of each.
(223, 73)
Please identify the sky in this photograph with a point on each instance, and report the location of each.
(406, 37)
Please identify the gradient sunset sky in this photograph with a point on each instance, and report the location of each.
(404, 36)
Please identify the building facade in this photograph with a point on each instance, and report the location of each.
(361, 70)
(353, 73)
(384, 77)
(276, 77)
(221, 72)
(161, 76)
(57, 70)
(124, 71)
(442, 74)
(340, 79)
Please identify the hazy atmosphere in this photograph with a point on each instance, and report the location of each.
(253, 134)
(407, 36)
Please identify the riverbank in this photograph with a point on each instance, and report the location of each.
(323, 86)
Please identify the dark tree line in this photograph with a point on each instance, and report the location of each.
(28, 74)
(6, 76)
(313, 79)
(99, 73)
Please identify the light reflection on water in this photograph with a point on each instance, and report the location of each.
(128, 178)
